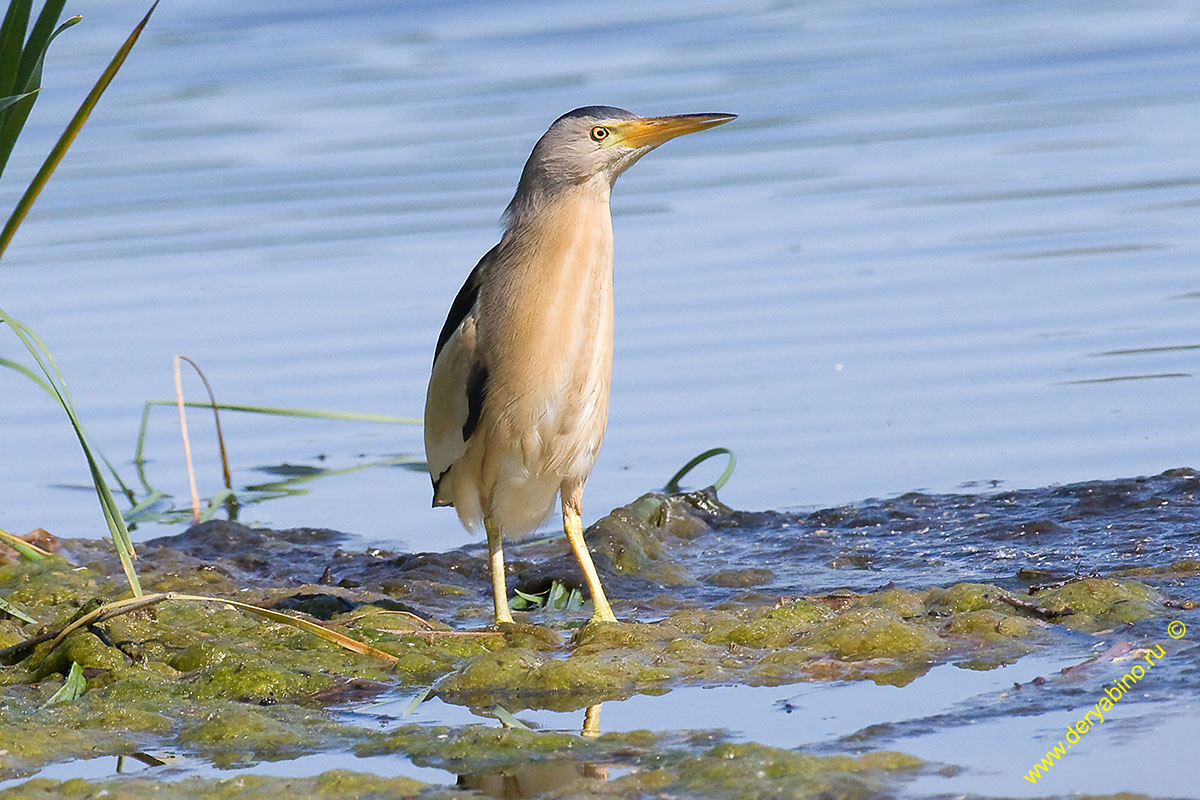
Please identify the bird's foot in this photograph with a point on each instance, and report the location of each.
(604, 615)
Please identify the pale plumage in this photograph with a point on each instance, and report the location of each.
(518, 396)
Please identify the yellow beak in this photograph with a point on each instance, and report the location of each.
(653, 131)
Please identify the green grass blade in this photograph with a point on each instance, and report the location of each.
(50, 390)
(139, 458)
(420, 697)
(64, 142)
(216, 504)
(112, 515)
(212, 400)
(308, 413)
(5, 102)
(24, 548)
(12, 41)
(557, 597)
(143, 507)
(575, 601)
(71, 22)
(672, 486)
(13, 121)
(29, 71)
(507, 718)
(14, 612)
(72, 688)
(95, 615)
(328, 634)
(116, 476)
(128, 605)
(530, 599)
(28, 373)
(289, 486)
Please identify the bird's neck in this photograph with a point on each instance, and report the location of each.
(540, 211)
(570, 238)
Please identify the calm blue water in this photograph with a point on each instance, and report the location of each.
(945, 242)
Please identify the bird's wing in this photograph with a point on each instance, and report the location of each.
(456, 387)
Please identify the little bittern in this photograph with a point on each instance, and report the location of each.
(518, 398)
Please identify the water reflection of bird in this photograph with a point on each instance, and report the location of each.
(534, 780)
(518, 398)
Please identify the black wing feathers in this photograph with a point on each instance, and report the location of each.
(463, 302)
(436, 483)
(476, 387)
(476, 392)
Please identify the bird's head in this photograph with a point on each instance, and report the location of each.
(598, 143)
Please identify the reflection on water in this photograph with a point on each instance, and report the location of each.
(987, 717)
(534, 781)
(986, 713)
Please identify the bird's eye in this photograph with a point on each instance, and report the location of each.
(599, 133)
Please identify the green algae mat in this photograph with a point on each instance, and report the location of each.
(835, 616)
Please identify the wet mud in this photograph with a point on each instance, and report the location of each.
(880, 591)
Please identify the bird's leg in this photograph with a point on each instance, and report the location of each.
(496, 561)
(573, 527)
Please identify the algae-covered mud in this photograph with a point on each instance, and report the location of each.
(915, 646)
